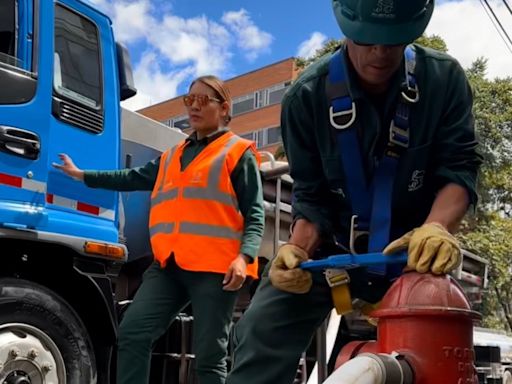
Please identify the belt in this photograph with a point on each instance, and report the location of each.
(338, 280)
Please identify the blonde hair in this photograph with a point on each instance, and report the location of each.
(220, 89)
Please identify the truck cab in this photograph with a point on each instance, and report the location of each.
(61, 71)
(62, 78)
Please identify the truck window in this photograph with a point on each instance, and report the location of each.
(77, 59)
(8, 32)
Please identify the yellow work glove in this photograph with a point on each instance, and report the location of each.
(284, 273)
(430, 247)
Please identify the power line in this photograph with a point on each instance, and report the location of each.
(497, 24)
(498, 21)
(508, 6)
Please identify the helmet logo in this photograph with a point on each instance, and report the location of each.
(384, 9)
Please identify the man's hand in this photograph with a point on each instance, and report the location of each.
(235, 276)
(284, 272)
(430, 247)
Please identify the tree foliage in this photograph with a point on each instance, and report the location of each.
(491, 240)
(487, 231)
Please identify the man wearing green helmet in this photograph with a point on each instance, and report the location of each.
(382, 150)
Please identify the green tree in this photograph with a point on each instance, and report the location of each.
(491, 240)
(487, 232)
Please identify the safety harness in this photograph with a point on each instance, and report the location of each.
(370, 200)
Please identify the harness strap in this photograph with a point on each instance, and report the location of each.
(371, 200)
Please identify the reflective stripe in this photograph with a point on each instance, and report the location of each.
(163, 196)
(13, 181)
(23, 183)
(164, 228)
(34, 185)
(209, 194)
(166, 167)
(211, 191)
(80, 206)
(172, 193)
(209, 230)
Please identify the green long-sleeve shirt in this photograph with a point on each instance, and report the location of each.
(245, 179)
(442, 144)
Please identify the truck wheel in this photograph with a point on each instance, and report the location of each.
(42, 339)
(507, 377)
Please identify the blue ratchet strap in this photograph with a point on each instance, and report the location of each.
(371, 202)
(352, 261)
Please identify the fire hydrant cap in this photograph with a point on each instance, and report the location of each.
(423, 292)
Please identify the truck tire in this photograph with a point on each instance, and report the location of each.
(507, 377)
(42, 339)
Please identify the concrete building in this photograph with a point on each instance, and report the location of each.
(256, 105)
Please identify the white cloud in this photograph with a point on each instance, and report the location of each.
(131, 20)
(154, 85)
(250, 38)
(309, 47)
(177, 48)
(196, 41)
(469, 33)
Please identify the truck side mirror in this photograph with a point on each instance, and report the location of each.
(126, 84)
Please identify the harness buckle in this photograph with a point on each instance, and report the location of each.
(411, 94)
(398, 136)
(356, 236)
(351, 113)
(336, 277)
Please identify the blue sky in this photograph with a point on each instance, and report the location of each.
(173, 41)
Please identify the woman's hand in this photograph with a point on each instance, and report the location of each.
(235, 276)
(69, 168)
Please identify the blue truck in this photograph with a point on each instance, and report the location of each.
(63, 245)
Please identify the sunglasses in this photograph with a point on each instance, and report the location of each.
(202, 99)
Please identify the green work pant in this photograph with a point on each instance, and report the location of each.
(278, 327)
(161, 296)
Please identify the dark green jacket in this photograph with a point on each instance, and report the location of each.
(245, 179)
(442, 146)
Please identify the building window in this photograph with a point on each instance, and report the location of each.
(248, 136)
(259, 99)
(243, 104)
(275, 94)
(180, 122)
(273, 135)
(264, 137)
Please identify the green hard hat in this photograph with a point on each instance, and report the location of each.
(383, 22)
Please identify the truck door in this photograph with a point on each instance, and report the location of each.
(84, 120)
(59, 93)
(23, 116)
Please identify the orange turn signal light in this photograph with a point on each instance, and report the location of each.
(109, 250)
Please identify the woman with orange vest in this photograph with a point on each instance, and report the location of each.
(206, 224)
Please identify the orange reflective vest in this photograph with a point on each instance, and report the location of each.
(194, 213)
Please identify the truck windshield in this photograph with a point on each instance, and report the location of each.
(8, 33)
(77, 64)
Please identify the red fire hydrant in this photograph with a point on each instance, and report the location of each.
(424, 333)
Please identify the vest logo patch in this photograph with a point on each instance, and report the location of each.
(416, 180)
(384, 9)
(196, 177)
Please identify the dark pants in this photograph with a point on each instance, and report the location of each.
(162, 295)
(278, 327)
